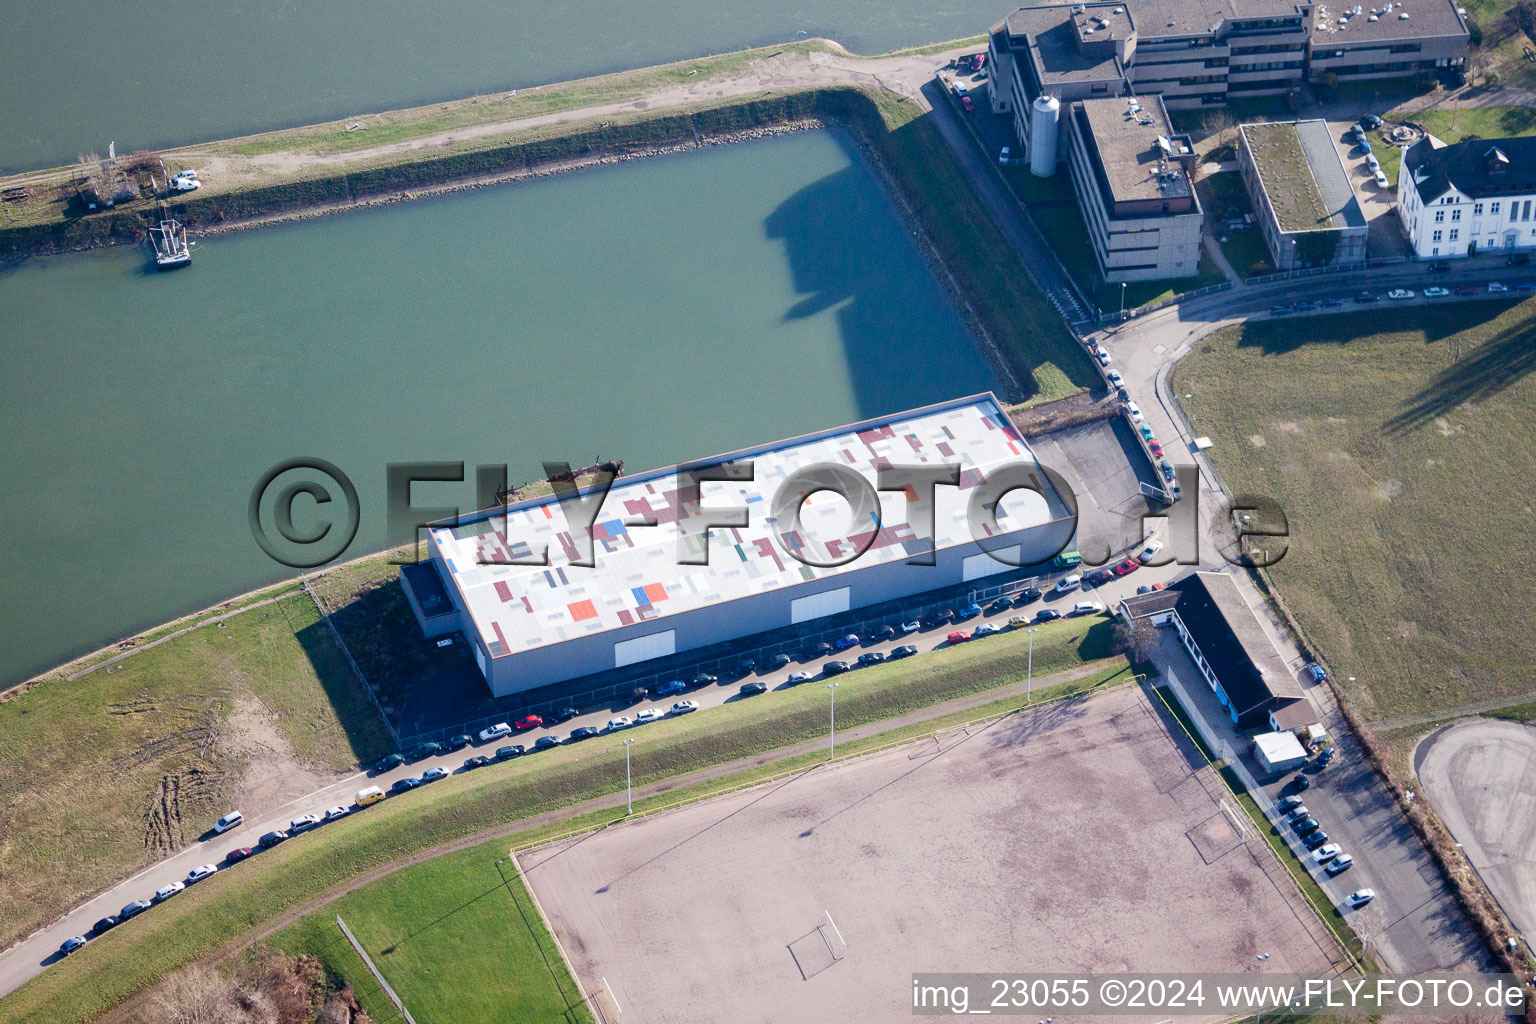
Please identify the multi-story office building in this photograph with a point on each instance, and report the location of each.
(1134, 180)
(1396, 39)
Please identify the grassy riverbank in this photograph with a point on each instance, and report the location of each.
(244, 900)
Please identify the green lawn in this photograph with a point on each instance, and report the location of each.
(458, 938)
(1493, 22)
(1483, 122)
(103, 775)
(127, 960)
(1396, 442)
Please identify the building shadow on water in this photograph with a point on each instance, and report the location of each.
(849, 252)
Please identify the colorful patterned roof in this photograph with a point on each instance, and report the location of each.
(638, 576)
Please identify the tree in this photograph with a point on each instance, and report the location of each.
(1219, 124)
(1136, 640)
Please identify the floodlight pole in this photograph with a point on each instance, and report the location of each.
(629, 786)
(1029, 677)
(1262, 958)
(832, 736)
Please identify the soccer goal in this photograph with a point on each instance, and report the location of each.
(829, 931)
(1235, 818)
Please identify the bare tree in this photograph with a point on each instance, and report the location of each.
(1220, 124)
(198, 995)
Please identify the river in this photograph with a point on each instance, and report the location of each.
(77, 76)
(651, 311)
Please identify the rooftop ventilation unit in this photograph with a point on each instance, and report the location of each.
(1403, 16)
(1374, 17)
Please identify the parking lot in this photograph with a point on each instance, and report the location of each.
(1079, 836)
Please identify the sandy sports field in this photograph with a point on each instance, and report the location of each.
(1078, 837)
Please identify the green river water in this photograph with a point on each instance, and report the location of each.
(653, 311)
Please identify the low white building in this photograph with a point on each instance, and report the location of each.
(1279, 751)
(1474, 196)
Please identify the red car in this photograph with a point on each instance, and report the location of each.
(959, 636)
(238, 854)
(527, 722)
(1466, 289)
(968, 103)
(1155, 448)
(1127, 567)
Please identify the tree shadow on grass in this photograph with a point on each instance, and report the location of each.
(1503, 360)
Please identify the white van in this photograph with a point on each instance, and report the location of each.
(229, 821)
(1067, 583)
(1087, 608)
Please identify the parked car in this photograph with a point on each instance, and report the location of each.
(1318, 673)
(833, 668)
(1134, 412)
(1370, 121)
(1166, 468)
(1088, 608)
(238, 854)
(970, 611)
(133, 909)
(1301, 781)
(1495, 287)
(776, 661)
(847, 641)
(1289, 803)
(671, 688)
(648, 715)
(1146, 432)
(1099, 577)
(911, 626)
(1325, 757)
(197, 874)
(458, 742)
(1114, 378)
(820, 650)
(509, 752)
(985, 629)
(999, 606)
(796, 678)
(1360, 897)
(495, 732)
(872, 658)
(1067, 583)
(904, 651)
(469, 765)
(753, 689)
(1026, 596)
(968, 104)
(305, 822)
(404, 785)
(1298, 814)
(1325, 853)
(882, 634)
(1331, 303)
(71, 944)
(426, 750)
(1401, 293)
(546, 742)
(584, 732)
(231, 820)
(186, 184)
(1367, 297)
(685, 707)
(1047, 615)
(1149, 552)
(168, 890)
(1439, 267)
(943, 617)
(703, 679)
(959, 636)
(1155, 447)
(106, 924)
(388, 763)
(368, 796)
(274, 837)
(1127, 567)
(1340, 864)
(1018, 622)
(527, 722)
(1307, 825)
(619, 723)
(1304, 306)
(1102, 357)
(1315, 840)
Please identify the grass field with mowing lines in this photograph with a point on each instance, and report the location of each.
(458, 938)
(101, 776)
(1397, 443)
(127, 960)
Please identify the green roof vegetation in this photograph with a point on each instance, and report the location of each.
(1287, 177)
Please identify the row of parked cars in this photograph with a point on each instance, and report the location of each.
(1315, 843)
